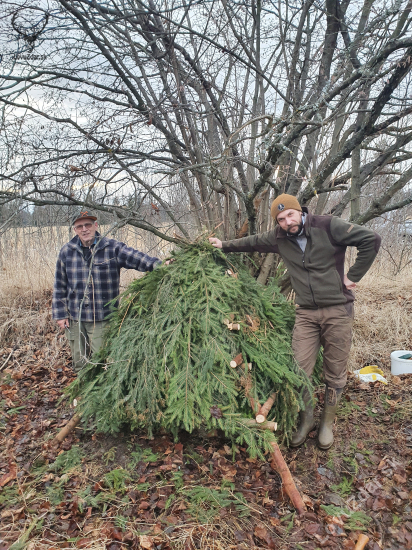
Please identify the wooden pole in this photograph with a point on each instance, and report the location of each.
(362, 542)
(278, 463)
(67, 429)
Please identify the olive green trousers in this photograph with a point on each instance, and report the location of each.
(84, 339)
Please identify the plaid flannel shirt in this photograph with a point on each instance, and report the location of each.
(73, 293)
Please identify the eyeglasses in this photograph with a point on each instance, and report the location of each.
(85, 225)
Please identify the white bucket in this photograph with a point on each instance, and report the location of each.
(400, 366)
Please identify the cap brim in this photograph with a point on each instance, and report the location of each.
(84, 218)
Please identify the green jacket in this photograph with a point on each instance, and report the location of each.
(317, 274)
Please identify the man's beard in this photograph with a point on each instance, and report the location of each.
(296, 233)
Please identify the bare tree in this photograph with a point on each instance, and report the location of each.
(183, 116)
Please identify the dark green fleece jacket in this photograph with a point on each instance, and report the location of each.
(317, 274)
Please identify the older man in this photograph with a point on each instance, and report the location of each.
(313, 249)
(87, 278)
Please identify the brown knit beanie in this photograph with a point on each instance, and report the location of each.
(284, 202)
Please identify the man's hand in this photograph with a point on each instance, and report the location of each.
(168, 262)
(348, 283)
(63, 323)
(217, 243)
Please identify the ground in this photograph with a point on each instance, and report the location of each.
(129, 491)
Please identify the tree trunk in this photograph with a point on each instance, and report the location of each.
(267, 265)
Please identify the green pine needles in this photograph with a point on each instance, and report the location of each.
(166, 358)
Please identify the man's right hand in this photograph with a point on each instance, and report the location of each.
(217, 243)
(63, 323)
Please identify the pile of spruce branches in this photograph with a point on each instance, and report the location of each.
(168, 348)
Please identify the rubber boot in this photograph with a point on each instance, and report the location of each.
(325, 435)
(306, 422)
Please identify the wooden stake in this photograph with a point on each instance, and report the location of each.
(265, 409)
(66, 430)
(362, 542)
(238, 360)
(278, 463)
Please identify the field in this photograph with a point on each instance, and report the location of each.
(199, 492)
(28, 255)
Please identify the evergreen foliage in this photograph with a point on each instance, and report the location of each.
(205, 503)
(166, 358)
(67, 460)
(355, 520)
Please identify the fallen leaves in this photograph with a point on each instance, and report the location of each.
(312, 528)
(261, 532)
(146, 542)
(10, 475)
(11, 513)
(380, 487)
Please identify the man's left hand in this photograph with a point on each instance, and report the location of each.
(348, 283)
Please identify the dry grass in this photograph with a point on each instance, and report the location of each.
(216, 535)
(23, 315)
(27, 263)
(28, 256)
(382, 318)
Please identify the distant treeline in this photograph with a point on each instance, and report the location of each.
(24, 215)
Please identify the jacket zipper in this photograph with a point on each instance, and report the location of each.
(86, 293)
(310, 286)
(307, 271)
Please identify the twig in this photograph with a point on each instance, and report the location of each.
(7, 360)
(254, 403)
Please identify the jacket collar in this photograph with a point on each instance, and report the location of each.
(76, 243)
(308, 220)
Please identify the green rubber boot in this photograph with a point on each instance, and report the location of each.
(325, 435)
(306, 422)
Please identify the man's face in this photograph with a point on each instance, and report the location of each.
(86, 230)
(290, 220)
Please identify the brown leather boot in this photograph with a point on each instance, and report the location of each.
(306, 422)
(325, 435)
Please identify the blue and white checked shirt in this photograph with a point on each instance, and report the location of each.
(72, 274)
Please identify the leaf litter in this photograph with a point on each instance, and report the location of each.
(129, 491)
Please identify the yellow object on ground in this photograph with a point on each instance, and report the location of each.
(371, 373)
